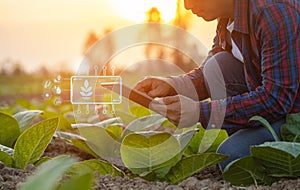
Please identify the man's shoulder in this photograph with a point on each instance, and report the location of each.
(259, 5)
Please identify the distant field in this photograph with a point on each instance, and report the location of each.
(20, 85)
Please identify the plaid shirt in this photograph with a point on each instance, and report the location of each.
(267, 34)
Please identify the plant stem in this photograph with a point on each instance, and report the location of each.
(267, 125)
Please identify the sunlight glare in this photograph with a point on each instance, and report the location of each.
(135, 10)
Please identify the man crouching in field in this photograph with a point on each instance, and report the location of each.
(253, 69)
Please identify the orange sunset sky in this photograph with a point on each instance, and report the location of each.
(53, 32)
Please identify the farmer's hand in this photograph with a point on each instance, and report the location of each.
(156, 87)
(180, 110)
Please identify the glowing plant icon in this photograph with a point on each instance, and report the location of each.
(86, 90)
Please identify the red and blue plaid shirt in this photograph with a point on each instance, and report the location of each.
(267, 34)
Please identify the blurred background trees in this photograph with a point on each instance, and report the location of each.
(10, 66)
(181, 19)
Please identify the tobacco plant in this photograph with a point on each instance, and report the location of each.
(270, 161)
(22, 144)
(147, 147)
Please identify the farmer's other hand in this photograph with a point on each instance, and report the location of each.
(156, 87)
(180, 110)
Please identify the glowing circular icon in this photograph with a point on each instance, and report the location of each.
(100, 91)
(96, 69)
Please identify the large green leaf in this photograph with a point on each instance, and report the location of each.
(100, 141)
(291, 130)
(6, 159)
(185, 138)
(104, 168)
(206, 141)
(77, 141)
(32, 142)
(281, 159)
(78, 182)
(9, 130)
(144, 153)
(145, 123)
(25, 118)
(48, 174)
(190, 165)
(82, 145)
(246, 172)
(113, 127)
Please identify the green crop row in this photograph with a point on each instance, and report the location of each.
(145, 146)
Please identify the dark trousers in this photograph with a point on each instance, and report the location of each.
(225, 77)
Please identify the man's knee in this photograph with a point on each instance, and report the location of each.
(209, 69)
(214, 78)
(223, 62)
(224, 76)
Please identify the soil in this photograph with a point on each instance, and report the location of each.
(208, 179)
